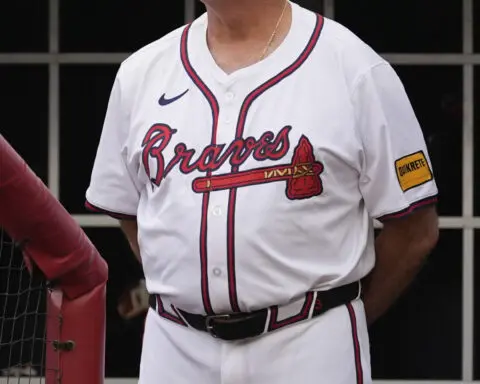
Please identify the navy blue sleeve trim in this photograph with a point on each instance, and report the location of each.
(115, 215)
(413, 207)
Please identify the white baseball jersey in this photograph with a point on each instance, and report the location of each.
(255, 187)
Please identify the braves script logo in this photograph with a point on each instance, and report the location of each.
(302, 175)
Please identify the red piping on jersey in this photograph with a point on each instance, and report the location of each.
(302, 315)
(206, 196)
(356, 344)
(162, 312)
(412, 207)
(239, 133)
(116, 215)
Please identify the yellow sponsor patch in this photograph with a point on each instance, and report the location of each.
(413, 170)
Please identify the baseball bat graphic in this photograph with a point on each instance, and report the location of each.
(256, 176)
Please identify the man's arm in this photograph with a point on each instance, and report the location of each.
(134, 300)
(130, 229)
(401, 248)
(397, 184)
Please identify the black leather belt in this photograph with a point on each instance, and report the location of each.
(238, 326)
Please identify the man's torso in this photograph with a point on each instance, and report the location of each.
(249, 181)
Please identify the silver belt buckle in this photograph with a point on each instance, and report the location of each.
(209, 323)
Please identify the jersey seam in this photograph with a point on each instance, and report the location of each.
(409, 204)
(105, 208)
(356, 84)
(361, 76)
(153, 45)
(126, 113)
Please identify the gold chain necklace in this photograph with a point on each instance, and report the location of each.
(274, 33)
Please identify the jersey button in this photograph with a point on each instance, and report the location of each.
(229, 96)
(217, 271)
(217, 211)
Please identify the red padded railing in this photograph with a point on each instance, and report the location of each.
(56, 244)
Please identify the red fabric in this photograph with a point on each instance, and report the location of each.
(52, 239)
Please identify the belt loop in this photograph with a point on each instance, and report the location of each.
(312, 306)
(180, 315)
(359, 295)
(267, 320)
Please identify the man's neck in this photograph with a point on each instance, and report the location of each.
(237, 20)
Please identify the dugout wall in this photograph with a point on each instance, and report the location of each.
(431, 335)
(56, 250)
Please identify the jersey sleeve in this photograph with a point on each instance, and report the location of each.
(396, 173)
(113, 189)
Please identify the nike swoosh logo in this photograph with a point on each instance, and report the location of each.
(164, 101)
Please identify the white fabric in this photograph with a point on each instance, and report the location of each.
(389, 130)
(316, 351)
(114, 183)
(344, 101)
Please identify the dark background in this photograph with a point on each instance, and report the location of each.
(421, 337)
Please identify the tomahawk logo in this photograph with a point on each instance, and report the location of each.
(302, 175)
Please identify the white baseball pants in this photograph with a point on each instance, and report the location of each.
(332, 348)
